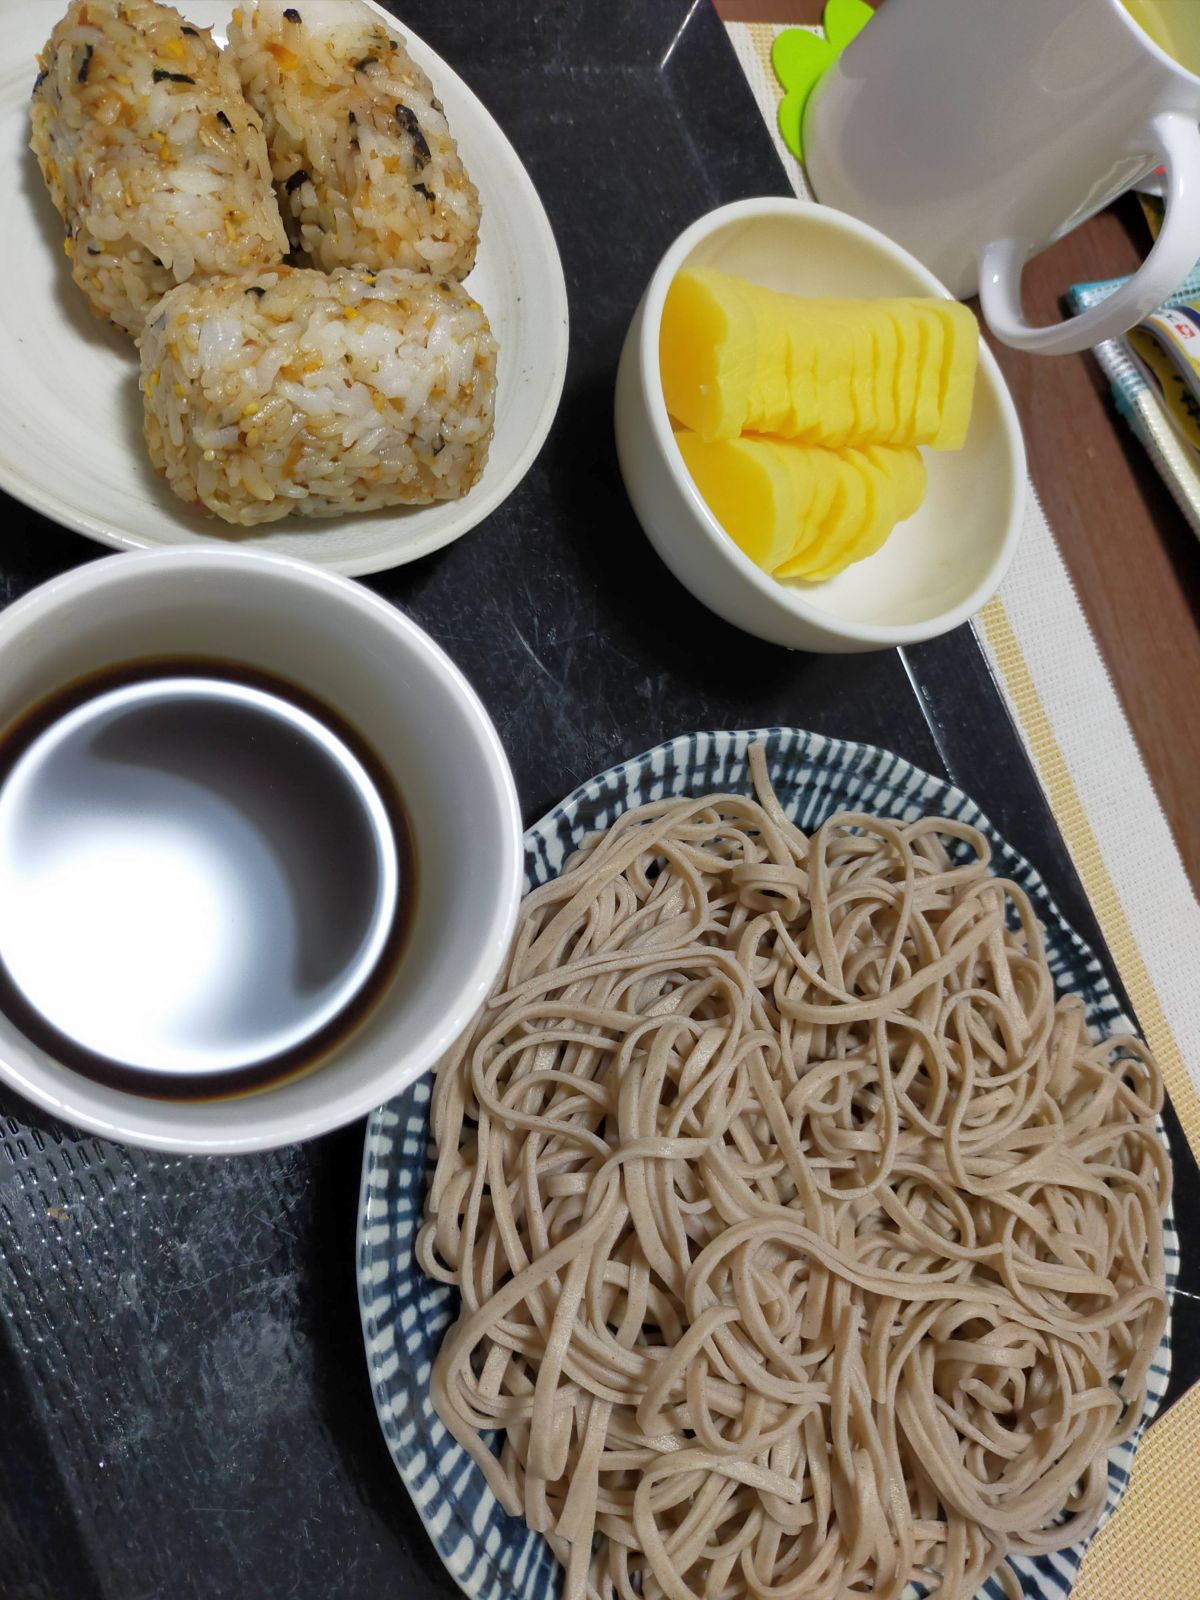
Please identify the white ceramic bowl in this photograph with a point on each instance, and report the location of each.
(423, 721)
(70, 411)
(938, 568)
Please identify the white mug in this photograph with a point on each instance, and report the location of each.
(976, 132)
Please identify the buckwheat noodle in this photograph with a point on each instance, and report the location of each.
(807, 1245)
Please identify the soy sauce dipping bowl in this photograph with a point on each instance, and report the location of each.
(938, 567)
(379, 673)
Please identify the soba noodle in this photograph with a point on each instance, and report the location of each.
(807, 1245)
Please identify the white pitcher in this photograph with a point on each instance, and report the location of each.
(976, 132)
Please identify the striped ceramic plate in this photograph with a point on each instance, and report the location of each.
(491, 1555)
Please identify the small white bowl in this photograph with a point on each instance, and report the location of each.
(938, 567)
(425, 724)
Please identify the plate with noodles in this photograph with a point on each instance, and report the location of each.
(794, 1219)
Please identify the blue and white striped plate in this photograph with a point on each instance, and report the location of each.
(491, 1555)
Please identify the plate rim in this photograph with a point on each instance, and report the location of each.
(556, 319)
(612, 785)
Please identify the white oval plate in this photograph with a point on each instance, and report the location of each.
(490, 1555)
(70, 411)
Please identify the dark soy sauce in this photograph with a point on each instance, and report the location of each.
(206, 878)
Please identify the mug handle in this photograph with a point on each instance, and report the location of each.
(1174, 138)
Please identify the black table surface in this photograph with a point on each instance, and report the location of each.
(182, 1382)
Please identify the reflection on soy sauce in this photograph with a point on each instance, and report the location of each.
(206, 878)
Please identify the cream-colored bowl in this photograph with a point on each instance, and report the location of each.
(938, 567)
(358, 655)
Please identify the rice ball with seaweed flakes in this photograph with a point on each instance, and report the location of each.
(367, 171)
(154, 160)
(295, 392)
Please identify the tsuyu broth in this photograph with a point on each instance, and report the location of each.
(206, 878)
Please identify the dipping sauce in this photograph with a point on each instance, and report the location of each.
(205, 878)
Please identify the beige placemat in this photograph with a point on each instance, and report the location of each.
(1045, 660)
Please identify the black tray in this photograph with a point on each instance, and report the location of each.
(185, 1402)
